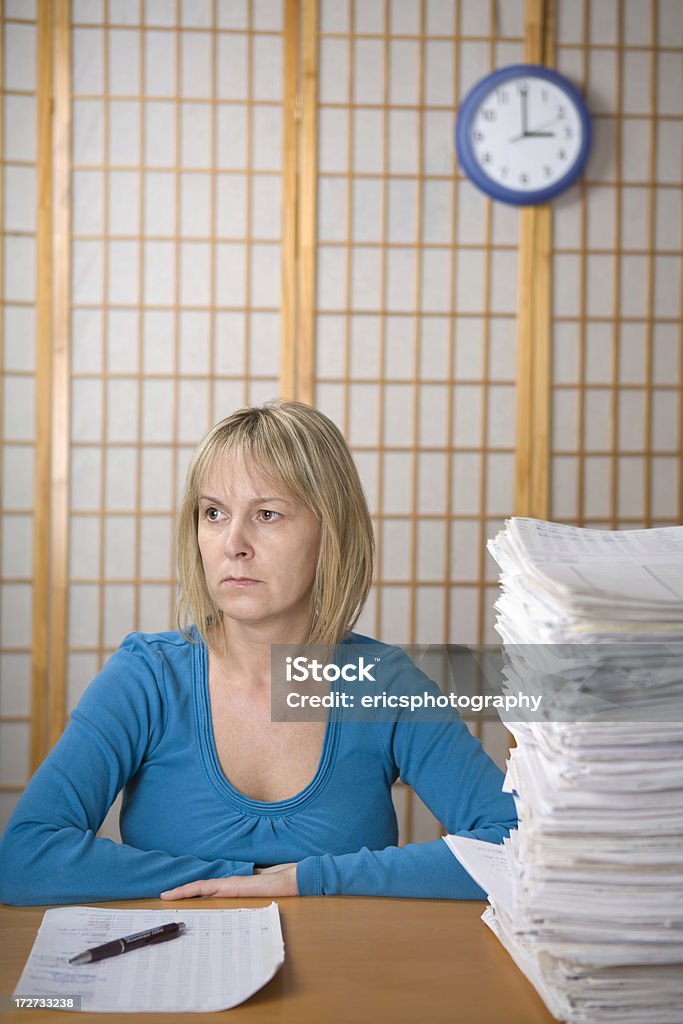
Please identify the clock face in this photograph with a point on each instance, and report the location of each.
(523, 134)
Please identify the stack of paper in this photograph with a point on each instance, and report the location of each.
(562, 584)
(587, 894)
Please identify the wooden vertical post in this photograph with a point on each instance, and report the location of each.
(307, 206)
(59, 423)
(532, 441)
(299, 200)
(288, 325)
(43, 372)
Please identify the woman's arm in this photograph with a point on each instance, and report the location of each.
(458, 782)
(49, 852)
(437, 756)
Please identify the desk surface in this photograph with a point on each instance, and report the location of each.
(347, 960)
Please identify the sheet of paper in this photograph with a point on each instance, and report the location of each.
(637, 565)
(221, 959)
(489, 866)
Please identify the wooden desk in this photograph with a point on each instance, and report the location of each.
(348, 960)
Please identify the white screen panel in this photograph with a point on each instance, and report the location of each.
(176, 199)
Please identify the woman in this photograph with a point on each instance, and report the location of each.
(274, 547)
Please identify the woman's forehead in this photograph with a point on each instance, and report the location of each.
(235, 469)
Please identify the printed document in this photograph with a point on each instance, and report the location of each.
(221, 959)
(489, 866)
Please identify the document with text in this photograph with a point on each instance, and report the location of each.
(222, 958)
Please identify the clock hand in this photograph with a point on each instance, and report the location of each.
(532, 135)
(524, 111)
(537, 132)
(546, 124)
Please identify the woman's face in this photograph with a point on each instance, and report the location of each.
(259, 549)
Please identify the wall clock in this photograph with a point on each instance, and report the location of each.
(522, 134)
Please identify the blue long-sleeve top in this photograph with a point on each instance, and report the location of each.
(144, 726)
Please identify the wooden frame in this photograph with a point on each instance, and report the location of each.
(299, 200)
(532, 442)
(59, 499)
(291, 116)
(43, 387)
(307, 201)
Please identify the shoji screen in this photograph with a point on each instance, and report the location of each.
(415, 304)
(175, 160)
(141, 302)
(177, 154)
(415, 311)
(617, 393)
(17, 365)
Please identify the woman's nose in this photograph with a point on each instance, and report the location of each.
(237, 543)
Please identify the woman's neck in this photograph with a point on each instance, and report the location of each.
(246, 651)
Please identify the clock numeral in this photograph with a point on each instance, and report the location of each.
(503, 96)
(562, 154)
(522, 88)
(524, 178)
(489, 115)
(568, 133)
(504, 171)
(547, 171)
(478, 135)
(486, 158)
(561, 112)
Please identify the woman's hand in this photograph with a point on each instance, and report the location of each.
(279, 880)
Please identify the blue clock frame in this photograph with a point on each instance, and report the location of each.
(463, 135)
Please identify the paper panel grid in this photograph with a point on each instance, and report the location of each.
(416, 301)
(176, 164)
(17, 390)
(617, 425)
(177, 114)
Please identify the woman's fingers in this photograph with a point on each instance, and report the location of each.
(269, 882)
(204, 887)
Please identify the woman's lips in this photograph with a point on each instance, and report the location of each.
(239, 581)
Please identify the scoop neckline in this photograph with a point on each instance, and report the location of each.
(211, 763)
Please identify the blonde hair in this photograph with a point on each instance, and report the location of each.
(303, 452)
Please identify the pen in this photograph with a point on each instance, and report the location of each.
(162, 933)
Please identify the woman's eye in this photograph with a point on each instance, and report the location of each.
(268, 515)
(212, 514)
